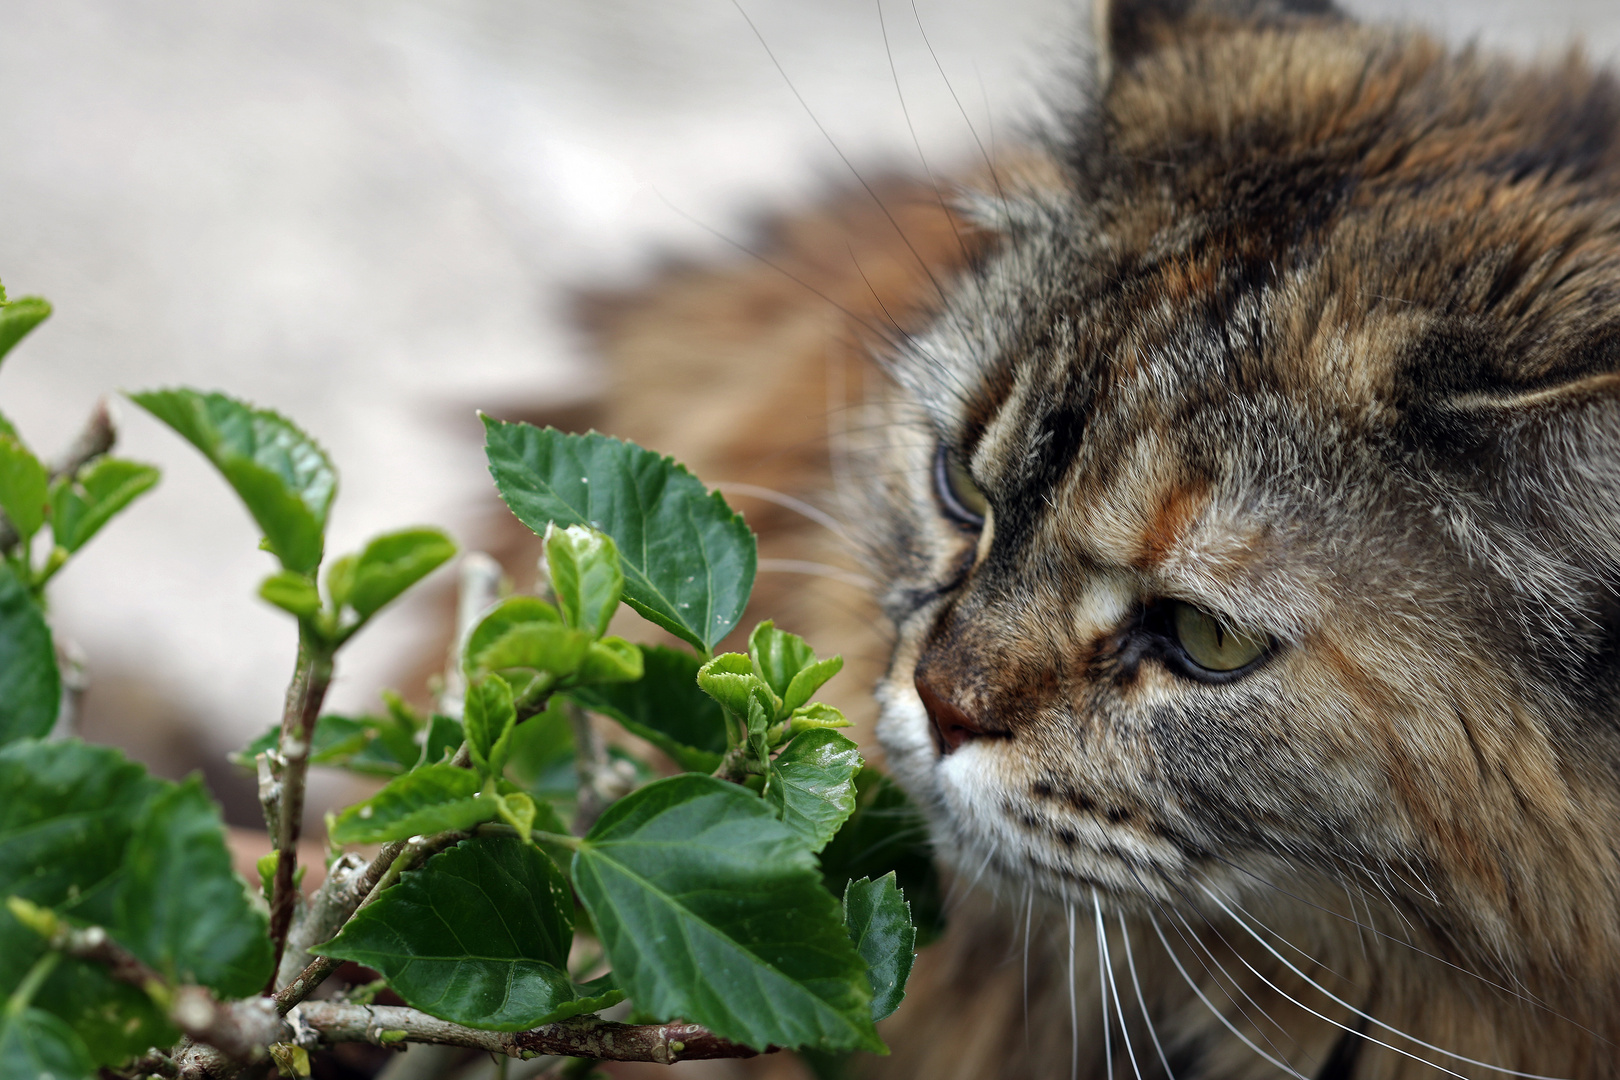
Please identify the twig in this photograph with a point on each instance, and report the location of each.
(304, 697)
(96, 438)
(337, 898)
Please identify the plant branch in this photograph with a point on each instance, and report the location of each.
(305, 694)
(96, 438)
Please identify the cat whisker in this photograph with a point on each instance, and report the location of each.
(1029, 919)
(1106, 962)
(1074, 1007)
(816, 569)
(989, 163)
(1136, 982)
(788, 502)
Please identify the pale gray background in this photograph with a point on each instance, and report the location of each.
(370, 215)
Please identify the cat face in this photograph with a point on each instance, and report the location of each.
(1251, 517)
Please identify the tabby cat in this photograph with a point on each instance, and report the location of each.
(1248, 515)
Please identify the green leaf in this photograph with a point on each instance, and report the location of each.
(340, 579)
(181, 907)
(808, 681)
(535, 647)
(730, 679)
(879, 921)
(815, 715)
(35, 1045)
(489, 718)
(542, 761)
(432, 799)
(24, 488)
(30, 687)
(18, 317)
(585, 575)
(611, 660)
(82, 504)
(291, 592)
(712, 910)
(688, 558)
(392, 563)
(509, 613)
(776, 656)
(812, 785)
(666, 707)
(479, 936)
(281, 474)
(441, 740)
(887, 832)
(370, 745)
(67, 813)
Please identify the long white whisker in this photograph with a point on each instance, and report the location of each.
(1029, 923)
(1197, 944)
(1102, 995)
(1074, 1008)
(1364, 1015)
(1113, 988)
(1174, 959)
(816, 569)
(814, 513)
(1147, 1019)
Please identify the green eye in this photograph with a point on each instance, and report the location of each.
(958, 493)
(1210, 643)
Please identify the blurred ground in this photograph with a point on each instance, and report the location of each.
(373, 216)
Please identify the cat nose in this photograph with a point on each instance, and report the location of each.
(952, 726)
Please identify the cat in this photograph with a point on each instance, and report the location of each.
(1246, 508)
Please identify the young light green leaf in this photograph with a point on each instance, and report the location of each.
(291, 592)
(488, 719)
(30, 686)
(815, 715)
(879, 921)
(35, 1044)
(371, 745)
(535, 647)
(730, 679)
(392, 563)
(431, 799)
(887, 832)
(812, 785)
(181, 907)
(688, 558)
(611, 660)
(666, 707)
(512, 612)
(479, 936)
(585, 575)
(340, 579)
(777, 656)
(82, 504)
(283, 477)
(24, 487)
(808, 681)
(712, 910)
(18, 317)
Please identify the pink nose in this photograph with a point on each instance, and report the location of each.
(952, 726)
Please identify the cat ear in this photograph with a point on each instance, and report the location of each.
(1126, 29)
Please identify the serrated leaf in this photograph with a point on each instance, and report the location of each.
(535, 647)
(479, 936)
(34, 1045)
(777, 656)
(24, 487)
(879, 921)
(811, 784)
(712, 910)
(817, 714)
(887, 832)
(282, 475)
(82, 504)
(18, 317)
(488, 720)
(688, 558)
(392, 563)
(432, 799)
(30, 686)
(181, 907)
(666, 707)
(291, 592)
(585, 575)
(730, 679)
(67, 813)
(808, 681)
(611, 660)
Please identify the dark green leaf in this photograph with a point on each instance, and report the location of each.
(585, 575)
(291, 592)
(879, 921)
(34, 1045)
(281, 474)
(24, 487)
(370, 745)
(181, 907)
(67, 811)
(666, 707)
(542, 761)
(611, 660)
(18, 317)
(688, 558)
(442, 739)
(886, 832)
(812, 785)
(432, 799)
(479, 936)
(488, 720)
(30, 687)
(82, 504)
(392, 563)
(711, 909)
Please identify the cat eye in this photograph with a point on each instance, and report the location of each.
(958, 494)
(1210, 643)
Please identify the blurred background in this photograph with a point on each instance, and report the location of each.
(377, 217)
